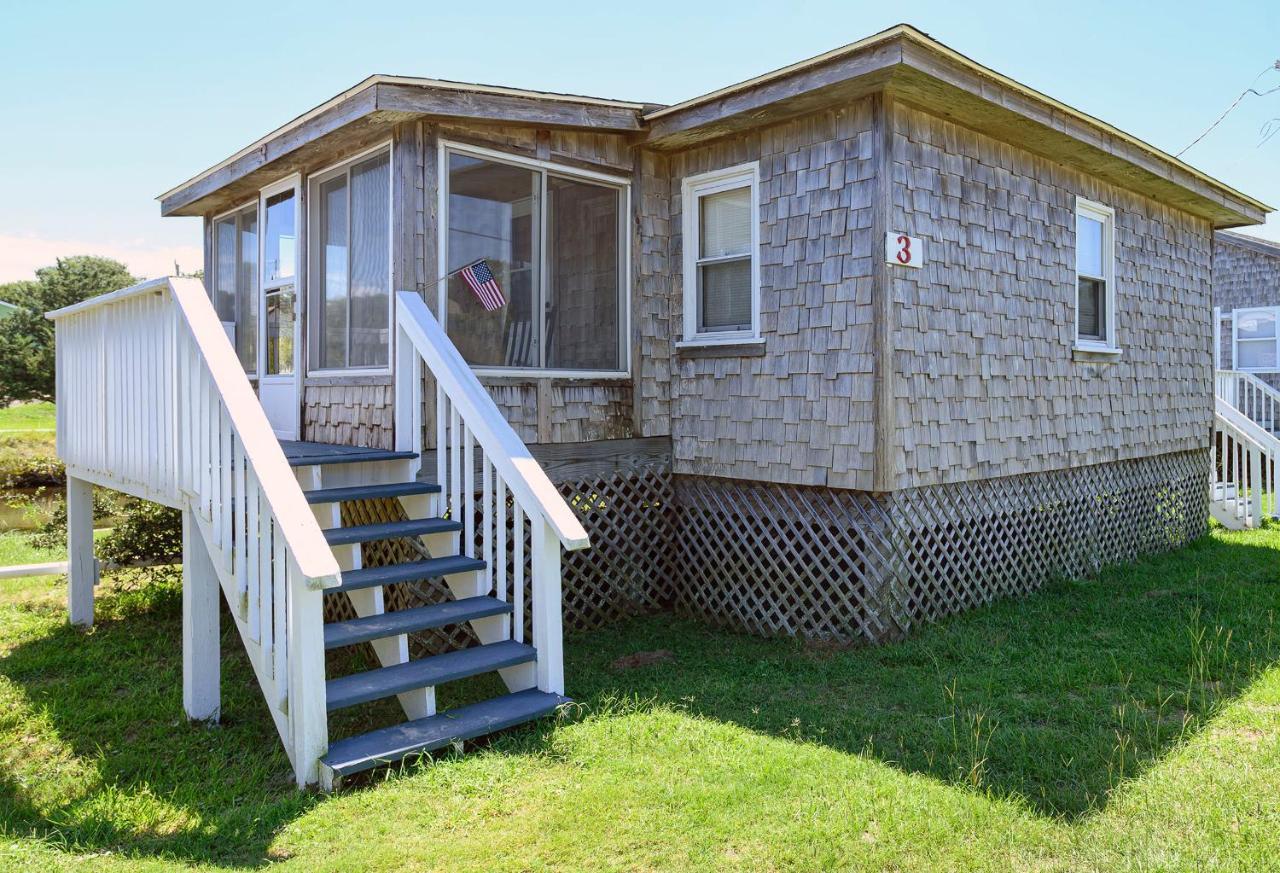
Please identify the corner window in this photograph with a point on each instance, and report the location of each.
(235, 281)
(556, 244)
(721, 255)
(1257, 342)
(350, 280)
(1095, 275)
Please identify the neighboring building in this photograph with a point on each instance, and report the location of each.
(851, 345)
(1246, 296)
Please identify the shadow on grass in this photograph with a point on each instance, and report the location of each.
(1056, 698)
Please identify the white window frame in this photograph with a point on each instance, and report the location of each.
(443, 150)
(292, 183)
(693, 188)
(314, 180)
(1235, 338)
(211, 280)
(1104, 214)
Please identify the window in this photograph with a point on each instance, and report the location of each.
(1257, 342)
(555, 242)
(721, 261)
(280, 259)
(1095, 275)
(235, 281)
(351, 265)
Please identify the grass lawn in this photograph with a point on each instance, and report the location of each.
(27, 453)
(16, 549)
(27, 417)
(1126, 722)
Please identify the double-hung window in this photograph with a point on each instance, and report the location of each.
(1095, 276)
(1257, 341)
(350, 281)
(721, 255)
(235, 281)
(555, 241)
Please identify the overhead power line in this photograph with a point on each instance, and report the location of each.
(1243, 94)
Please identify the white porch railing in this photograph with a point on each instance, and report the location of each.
(1250, 395)
(473, 439)
(153, 401)
(1246, 450)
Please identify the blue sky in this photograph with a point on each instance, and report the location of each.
(105, 105)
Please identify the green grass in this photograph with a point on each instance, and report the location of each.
(16, 548)
(1126, 722)
(27, 417)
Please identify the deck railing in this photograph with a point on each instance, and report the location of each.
(153, 401)
(521, 515)
(1250, 395)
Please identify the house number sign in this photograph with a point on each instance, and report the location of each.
(903, 250)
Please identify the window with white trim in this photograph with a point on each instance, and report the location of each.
(350, 322)
(1256, 339)
(721, 255)
(555, 240)
(1095, 275)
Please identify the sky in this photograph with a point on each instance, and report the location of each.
(107, 105)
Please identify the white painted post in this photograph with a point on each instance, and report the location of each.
(548, 633)
(201, 665)
(82, 569)
(308, 714)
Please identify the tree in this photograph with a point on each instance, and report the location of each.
(26, 336)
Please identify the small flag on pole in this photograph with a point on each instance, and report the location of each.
(480, 280)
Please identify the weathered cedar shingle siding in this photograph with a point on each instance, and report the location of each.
(802, 412)
(1245, 274)
(986, 385)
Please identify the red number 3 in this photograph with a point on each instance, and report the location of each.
(904, 250)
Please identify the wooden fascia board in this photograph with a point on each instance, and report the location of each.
(341, 114)
(434, 102)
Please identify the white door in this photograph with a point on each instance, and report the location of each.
(278, 352)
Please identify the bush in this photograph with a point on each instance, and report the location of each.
(146, 531)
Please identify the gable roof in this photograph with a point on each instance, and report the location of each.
(901, 61)
(1252, 243)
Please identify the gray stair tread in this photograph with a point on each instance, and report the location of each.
(389, 530)
(386, 681)
(431, 568)
(391, 744)
(307, 454)
(388, 624)
(370, 492)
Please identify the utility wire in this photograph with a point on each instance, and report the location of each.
(1243, 94)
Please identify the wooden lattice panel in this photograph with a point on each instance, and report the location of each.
(828, 564)
(630, 518)
(782, 559)
(966, 544)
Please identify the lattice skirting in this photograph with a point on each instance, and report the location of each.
(828, 564)
(837, 565)
(630, 518)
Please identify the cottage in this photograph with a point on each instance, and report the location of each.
(849, 346)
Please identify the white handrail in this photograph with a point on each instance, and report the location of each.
(1243, 469)
(523, 475)
(247, 420)
(152, 400)
(1250, 395)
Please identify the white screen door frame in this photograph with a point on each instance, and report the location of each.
(279, 262)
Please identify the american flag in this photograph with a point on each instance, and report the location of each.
(480, 280)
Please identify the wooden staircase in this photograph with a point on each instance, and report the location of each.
(152, 401)
(1246, 450)
(388, 475)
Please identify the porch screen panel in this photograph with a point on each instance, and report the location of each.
(247, 291)
(224, 282)
(331, 315)
(351, 291)
(370, 262)
(493, 212)
(582, 312)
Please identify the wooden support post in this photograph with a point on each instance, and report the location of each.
(82, 569)
(201, 667)
(548, 631)
(308, 716)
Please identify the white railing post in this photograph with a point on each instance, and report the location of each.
(548, 633)
(308, 714)
(201, 658)
(408, 391)
(1255, 485)
(82, 567)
